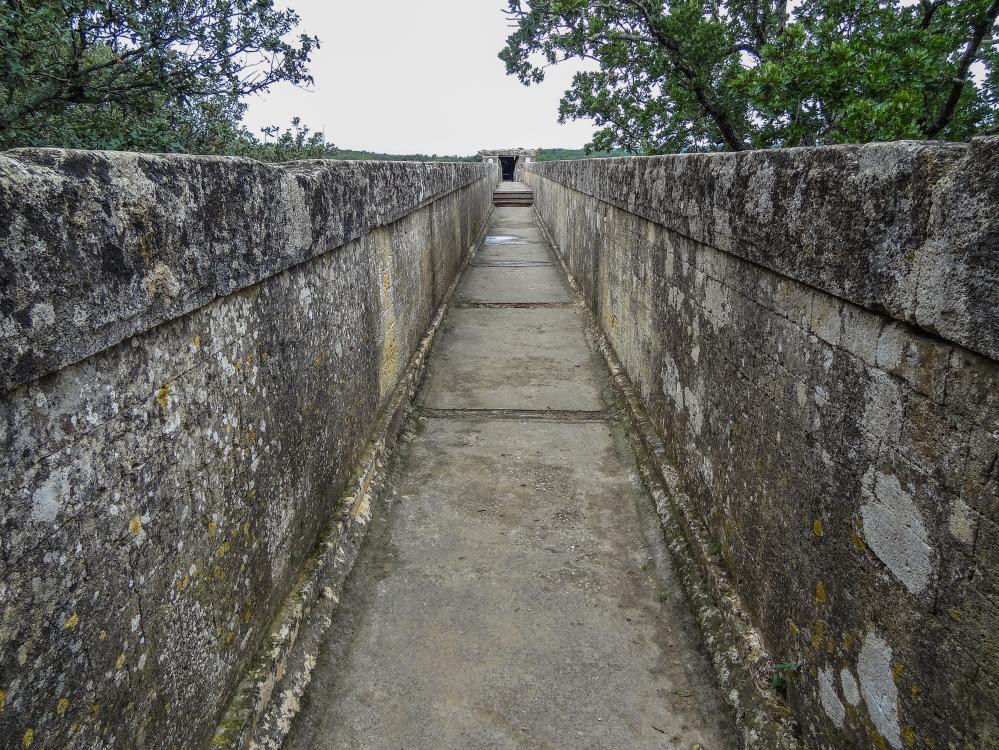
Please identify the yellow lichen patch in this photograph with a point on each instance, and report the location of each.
(102, 636)
(246, 524)
(250, 493)
(197, 343)
(820, 592)
(897, 669)
(182, 582)
(212, 527)
(93, 712)
(3, 701)
(930, 743)
(163, 395)
(228, 637)
(955, 613)
(135, 525)
(74, 728)
(908, 737)
(847, 639)
(247, 616)
(28, 737)
(61, 706)
(71, 622)
(877, 740)
(818, 634)
(915, 692)
(218, 573)
(857, 541)
(817, 527)
(223, 549)
(119, 663)
(792, 627)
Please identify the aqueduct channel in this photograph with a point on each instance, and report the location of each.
(696, 450)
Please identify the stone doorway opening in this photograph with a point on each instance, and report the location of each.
(507, 164)
(511, 161)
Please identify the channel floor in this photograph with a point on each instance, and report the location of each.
(516, 592)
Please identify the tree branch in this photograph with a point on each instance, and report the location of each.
(979, 30)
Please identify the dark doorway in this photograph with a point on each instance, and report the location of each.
(508, 163)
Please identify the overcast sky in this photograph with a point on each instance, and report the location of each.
(400, 76)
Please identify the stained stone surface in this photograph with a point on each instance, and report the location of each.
(193, 351)
(517, 284)
(482, 362)
(843, 459)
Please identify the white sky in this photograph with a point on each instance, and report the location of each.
(400, 76)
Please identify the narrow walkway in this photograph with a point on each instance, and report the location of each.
(517, 594)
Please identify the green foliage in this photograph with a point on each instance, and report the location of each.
(149, 75)
(680, 75)
(783, 671)
(296, 142)
(562, 154)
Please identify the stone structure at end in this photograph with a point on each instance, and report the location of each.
(511, 161)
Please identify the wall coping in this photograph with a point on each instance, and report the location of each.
(909, 229)
(97, 246)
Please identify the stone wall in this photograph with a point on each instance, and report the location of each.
(814, 333)
(192, 352)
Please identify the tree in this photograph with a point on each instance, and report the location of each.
(163, 75)
(680, 75)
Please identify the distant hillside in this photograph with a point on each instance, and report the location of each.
(544, 154)
(342, 153)
(559, 154)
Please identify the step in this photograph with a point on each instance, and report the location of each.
(513, 199)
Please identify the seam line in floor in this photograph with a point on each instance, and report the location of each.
(535, 415)
(514, 305)
(512, 264)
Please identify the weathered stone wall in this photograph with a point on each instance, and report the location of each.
(192, 351)
(815, 334)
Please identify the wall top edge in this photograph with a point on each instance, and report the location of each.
(909, 229)
(96, 246)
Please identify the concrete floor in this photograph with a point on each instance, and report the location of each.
(517, 593)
